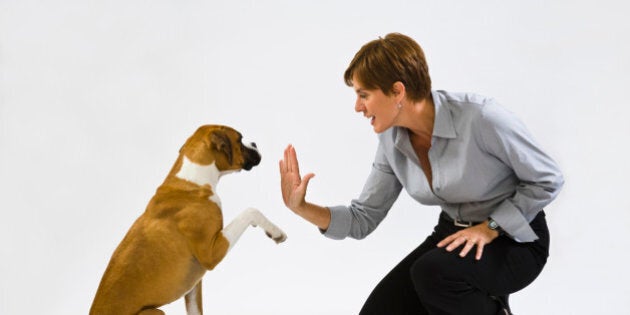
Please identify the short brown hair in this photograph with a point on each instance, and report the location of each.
(384, 61)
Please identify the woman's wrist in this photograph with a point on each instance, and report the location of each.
(300, 209)
(494, 233)
(318, 215)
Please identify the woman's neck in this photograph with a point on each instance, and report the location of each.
(419, 118)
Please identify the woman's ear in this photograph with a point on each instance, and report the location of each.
(398, 90)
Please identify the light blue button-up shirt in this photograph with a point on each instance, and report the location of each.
(485, 164)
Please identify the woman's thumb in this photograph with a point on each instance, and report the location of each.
(306, 179)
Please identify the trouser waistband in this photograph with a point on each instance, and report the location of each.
(446, 217)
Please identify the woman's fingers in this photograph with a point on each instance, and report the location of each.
(292, 185)
(458, 239)
(469, 237)
(447, 240)
(287, 163)
(294, 162)
(282, 167)
(469, 245)
(456, 243)
(479, 251)
(290, 162)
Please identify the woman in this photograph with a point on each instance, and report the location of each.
(460, 151)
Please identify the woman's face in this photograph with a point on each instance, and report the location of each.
(379, 108)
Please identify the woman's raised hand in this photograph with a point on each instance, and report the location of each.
(292, 185)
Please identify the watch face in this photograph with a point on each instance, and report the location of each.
(493, 224)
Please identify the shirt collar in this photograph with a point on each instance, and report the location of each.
(443, 126)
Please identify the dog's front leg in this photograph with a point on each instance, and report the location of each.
(233, 231)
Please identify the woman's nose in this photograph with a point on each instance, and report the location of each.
(358, 106)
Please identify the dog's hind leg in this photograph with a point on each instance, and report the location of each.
(193, 300)
(233, 231)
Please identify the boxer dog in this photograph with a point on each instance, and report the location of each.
(180, 235)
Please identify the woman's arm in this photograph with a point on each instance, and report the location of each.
(356, 220)
(506, 138)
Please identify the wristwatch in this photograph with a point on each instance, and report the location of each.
(493, 225)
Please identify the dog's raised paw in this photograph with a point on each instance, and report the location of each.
(280, 239)
(279, 236)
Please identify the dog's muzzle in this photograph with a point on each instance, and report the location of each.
(251, 155)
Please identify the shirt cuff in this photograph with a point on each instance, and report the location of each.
(340, 221)
(512, 221)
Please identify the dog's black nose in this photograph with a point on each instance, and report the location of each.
(254, 145)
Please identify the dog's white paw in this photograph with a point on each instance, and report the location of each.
(259, 219)
(276, 234)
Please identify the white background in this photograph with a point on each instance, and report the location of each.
(96, 97)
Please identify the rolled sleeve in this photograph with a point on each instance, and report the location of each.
(340, 222)
(512, 221)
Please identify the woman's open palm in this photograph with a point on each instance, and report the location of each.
(292, 185)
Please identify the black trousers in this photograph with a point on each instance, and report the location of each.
(431, 280)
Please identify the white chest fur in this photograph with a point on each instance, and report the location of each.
(201, 175)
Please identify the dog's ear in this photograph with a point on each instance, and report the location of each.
(220, 142)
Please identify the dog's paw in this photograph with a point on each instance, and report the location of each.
(277, 236)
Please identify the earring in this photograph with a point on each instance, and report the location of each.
(399, 105)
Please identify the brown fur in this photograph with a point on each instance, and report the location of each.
(171, 245)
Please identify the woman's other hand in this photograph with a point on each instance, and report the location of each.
(479, 235)
(292, 185)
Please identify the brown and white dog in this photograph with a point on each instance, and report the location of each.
(181, 235)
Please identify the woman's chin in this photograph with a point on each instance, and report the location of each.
(379, 129)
